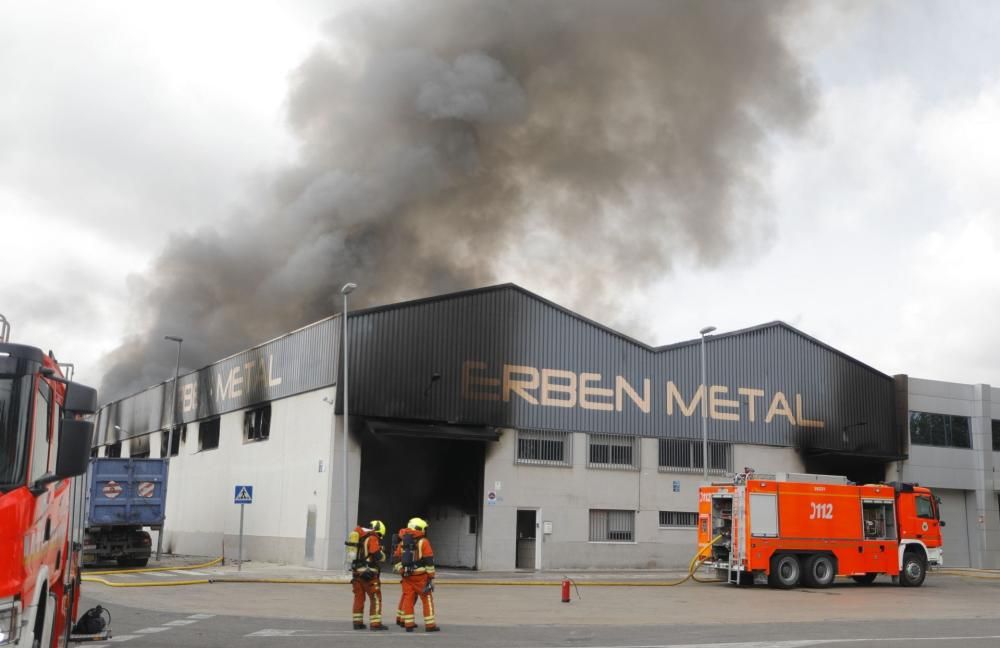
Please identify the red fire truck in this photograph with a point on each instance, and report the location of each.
(794, 528)
(44, 445)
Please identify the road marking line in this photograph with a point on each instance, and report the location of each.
(121, 638)
(181, 622)
(793, 643)
(152, 630)
(202, 617)
(190, 571)
(157, 574)
(275, 633)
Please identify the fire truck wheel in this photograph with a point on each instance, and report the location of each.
(914, 570)
(867, 579)
(819, 571)
(785, 571)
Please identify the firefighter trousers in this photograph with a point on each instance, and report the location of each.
(372, 588)
(414, 586)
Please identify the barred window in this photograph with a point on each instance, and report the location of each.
(257, 424)
(612, 526)
(610, 451)
(684, 455)
(544, 448)
(996, 436)
(678, 519)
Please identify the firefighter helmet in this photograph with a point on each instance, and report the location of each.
(377, 527)
(417, 524)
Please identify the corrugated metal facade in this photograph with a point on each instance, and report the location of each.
(297, 362)
(774, 385)
(504, 357)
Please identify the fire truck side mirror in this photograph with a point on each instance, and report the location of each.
(75, 437)
(80, 399)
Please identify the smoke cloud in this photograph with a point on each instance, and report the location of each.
(445, 143)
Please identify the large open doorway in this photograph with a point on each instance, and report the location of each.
(405, 473)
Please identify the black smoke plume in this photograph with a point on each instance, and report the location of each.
(573, 146)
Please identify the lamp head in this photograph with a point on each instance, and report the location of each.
(173, 338)
(348, 288)
(707, 330)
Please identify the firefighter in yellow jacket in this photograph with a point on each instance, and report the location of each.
(413, 558)
(366, 574)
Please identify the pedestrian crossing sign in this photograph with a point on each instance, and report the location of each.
(243, 494)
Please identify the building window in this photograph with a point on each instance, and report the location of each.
(684, 455)
(678, 519)
(257, 424)
(139, 447)
(940, 430)
(208, 434)
(114, 449)
(544, 448)
(611, 451)
(996, 436)
(175, 444)
(473, 524)
(612, 526)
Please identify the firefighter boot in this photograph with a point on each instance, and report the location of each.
(432, 628)
(359, 626)
(378, 626)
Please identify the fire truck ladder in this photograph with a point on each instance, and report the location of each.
(737, 548)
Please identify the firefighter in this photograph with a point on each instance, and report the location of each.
(413, 558)
(367, 553)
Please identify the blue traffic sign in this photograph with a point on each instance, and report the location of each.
(243, 494)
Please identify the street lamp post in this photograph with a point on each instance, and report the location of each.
(345, 291)
(170, 433)
(704, 405)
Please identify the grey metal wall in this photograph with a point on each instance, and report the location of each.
(395, 351)
(297, 362)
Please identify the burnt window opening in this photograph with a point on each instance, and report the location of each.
(208, 434)
(175, 444)
(257, 424)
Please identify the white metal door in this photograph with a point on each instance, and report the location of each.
(955, 533)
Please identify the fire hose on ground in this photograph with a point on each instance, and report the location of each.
(95, 577)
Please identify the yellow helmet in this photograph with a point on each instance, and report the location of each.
(377, 527)
(417, 524)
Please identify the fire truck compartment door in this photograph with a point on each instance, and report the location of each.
(764, 515)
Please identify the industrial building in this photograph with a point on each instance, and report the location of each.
(531, 437)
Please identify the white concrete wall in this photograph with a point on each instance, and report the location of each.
(291, 489)
(565, 496)
(972, 471)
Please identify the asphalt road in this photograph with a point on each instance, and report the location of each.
(947, 612)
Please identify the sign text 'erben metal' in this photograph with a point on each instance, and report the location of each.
(594, 391)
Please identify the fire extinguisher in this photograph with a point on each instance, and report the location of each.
(565, 590)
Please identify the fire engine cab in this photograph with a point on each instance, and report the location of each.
(790, 529)
(44, 445)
